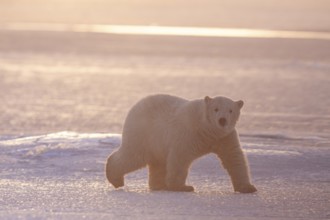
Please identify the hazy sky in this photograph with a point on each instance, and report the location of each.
(274, 14)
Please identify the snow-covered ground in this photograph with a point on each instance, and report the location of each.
(61, 175)
(87, 82)
(64, 97)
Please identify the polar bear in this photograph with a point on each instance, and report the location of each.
(167, 133)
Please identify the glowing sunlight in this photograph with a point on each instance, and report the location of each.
(167, 31)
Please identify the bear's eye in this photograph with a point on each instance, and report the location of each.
(216, 109)
(230, 111)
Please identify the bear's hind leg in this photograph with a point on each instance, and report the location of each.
(177, 172)
(112, 171)
(157, 176)
(120, 163)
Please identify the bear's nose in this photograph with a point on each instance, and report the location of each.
(222, 122)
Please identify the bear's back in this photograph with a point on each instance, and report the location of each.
(149, 119)
(156, 106)
(152, 111)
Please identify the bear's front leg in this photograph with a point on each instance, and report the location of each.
(177, 172)
(235, 162)
(237, 168)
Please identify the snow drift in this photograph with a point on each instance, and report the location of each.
(61, 175)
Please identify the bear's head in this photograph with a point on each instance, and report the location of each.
(222, 113)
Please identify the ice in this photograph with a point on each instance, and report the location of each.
(83, 84)
(61, 175)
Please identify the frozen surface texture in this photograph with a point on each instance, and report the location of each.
(61, 175)
(85, 84)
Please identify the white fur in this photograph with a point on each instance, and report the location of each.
(167, 133)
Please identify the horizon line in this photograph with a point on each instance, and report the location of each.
(167, 31)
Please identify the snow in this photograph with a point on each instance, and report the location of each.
(61, 175)
(54, 83)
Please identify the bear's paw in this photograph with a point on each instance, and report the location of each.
(119, 182)
(246, 189)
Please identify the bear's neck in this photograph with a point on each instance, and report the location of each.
(195, 119)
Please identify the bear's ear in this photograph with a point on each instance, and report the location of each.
(207, 99)
(240, 104)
